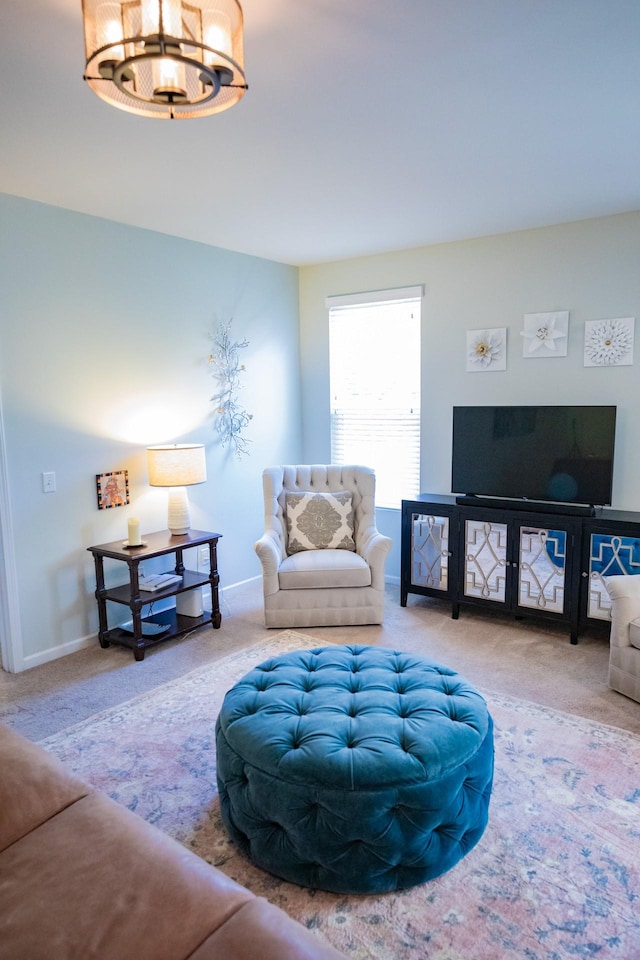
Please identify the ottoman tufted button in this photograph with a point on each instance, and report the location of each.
(268, 667)
(379, 780)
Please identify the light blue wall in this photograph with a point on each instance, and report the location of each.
(589, 268)
(104, 339)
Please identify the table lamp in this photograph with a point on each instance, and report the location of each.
(177, 466)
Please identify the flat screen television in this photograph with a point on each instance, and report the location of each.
(556, 453)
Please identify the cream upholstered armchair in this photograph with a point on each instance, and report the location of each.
(321, 554)
(624, 655)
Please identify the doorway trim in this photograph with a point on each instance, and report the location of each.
(10, 626)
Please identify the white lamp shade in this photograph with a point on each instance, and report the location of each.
(176, 465)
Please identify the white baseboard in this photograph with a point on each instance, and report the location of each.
(240, 583)
(72, 646)
(54, 653)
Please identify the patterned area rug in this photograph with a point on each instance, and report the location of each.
(554, 876)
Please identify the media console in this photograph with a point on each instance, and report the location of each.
(521, 559)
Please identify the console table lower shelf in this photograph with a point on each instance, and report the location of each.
(174, 626)
(139, 633)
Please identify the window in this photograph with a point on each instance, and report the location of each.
(374, 343)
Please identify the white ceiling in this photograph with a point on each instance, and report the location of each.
(369, 125)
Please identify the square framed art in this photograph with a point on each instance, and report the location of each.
(486, 350)
(609, 343)
(112, 489)
(545, 334)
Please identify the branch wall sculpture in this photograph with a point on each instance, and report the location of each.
(231, 417)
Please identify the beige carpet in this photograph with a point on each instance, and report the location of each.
(524, 658)
(554, 876)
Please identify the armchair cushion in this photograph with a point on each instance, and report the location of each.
(324, 568)
(634, 633)
(319, 521)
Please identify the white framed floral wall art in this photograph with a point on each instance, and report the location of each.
(609, 343)
(545, 334)
(487, 350)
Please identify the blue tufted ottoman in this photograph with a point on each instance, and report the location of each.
(354, 769)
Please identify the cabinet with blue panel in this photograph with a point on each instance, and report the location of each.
(536, 562)
(611, 547)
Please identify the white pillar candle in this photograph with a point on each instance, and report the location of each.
(134, 532)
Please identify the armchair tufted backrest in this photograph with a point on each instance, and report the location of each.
(320, 478)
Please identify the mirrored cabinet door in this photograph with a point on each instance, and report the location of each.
(486, 545)
(430, 551)
(542, 569)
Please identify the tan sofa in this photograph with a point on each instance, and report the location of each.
(82, 877)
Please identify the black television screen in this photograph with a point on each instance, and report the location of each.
(550, 453)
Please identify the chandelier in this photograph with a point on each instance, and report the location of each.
(173, 59)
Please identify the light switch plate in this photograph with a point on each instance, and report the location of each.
(49, 482)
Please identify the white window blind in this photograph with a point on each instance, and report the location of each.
(375, 387)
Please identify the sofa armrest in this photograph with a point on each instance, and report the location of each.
(270, 556)
(625, 606)
(260, 929)
(34, 786)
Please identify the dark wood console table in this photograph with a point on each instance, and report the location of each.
(525, 561)
(129, 594)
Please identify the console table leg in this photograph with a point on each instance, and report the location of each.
(103, 625)
(214, 580)
(136, 605)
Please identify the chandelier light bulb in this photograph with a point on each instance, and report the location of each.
(217, 37)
